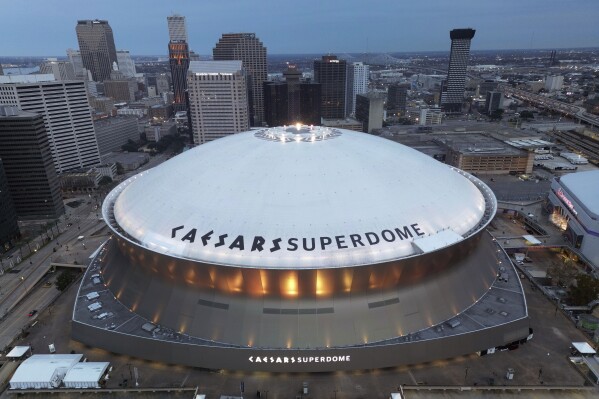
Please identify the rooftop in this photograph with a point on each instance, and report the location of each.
(202, 67)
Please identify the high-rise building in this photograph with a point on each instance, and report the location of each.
(218, 99)
(246, 47)
(177, 28)
(125, 63)
(452, 92)
(62, 70)
(9, 229)
(178, 54)
(30, 173)
(292, 101)
(430, 116)
(75, 60)
(1, 70)
(96, 44)
(120, 89)
(66, 112)
(553, 83)
(357, 83)
(494, 101)
(331, 73)
(397, 97)
(370, 110)
(114, 132)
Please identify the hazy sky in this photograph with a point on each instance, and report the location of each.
(47, 27)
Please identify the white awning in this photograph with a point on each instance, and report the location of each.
(531, 239)
(584, 348)
(18, 351)
(442, 239)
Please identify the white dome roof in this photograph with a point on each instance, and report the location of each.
(316, 198)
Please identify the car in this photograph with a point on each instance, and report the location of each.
(69, 224)
(32, 313)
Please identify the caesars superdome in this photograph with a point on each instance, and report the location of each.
(300, 249)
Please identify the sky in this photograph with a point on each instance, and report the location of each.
(47, 27)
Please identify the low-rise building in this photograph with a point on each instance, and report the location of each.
(156, 131)
(345, 123)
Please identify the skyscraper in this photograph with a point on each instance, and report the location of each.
(62, 70)
(246, 47)
(74, 57)
(178, 54)
(218, 99)
(452, 92)
(25, 153)
(96, 44)
(369, 110)
(357, 83)
(125, 63)
(331, 73)
(397, 96)
(9, 229)
(66, 113)
(177, 28)
(292, 101)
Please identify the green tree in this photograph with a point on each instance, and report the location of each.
(64, 280)
(496, 115)
(586, 290)
(526, 115)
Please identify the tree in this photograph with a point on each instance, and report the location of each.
(585, 291)
(496, 115)
(526, 115)
(562, 274)
(64, 280)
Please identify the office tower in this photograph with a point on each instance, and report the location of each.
(357, 83)
(62, 70)
(9, 229)
(30, 172)
(178, 54)
(112, 133)
(430, 116)
(494, 101)
(74, 57)
(292, 101)
(452, 92)
(66, 112)
(125, 63)
(177, 28)
(120, 89)
(218, 99)
(246, 47)
(370, 110)
(1, 70)
(96, 45)
(331, 73)
(397, 97)
(553, 83)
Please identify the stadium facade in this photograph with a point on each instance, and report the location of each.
(300, 249)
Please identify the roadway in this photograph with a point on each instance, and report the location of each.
(21, 291)
(570, 110)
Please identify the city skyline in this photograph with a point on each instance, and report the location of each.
(358, 27)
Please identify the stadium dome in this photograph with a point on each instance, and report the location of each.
(330, 197)
(301, 249)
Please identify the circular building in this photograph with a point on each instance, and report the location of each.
(300, 249)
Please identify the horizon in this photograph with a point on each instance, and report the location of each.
(341, 52)
(315, 27)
